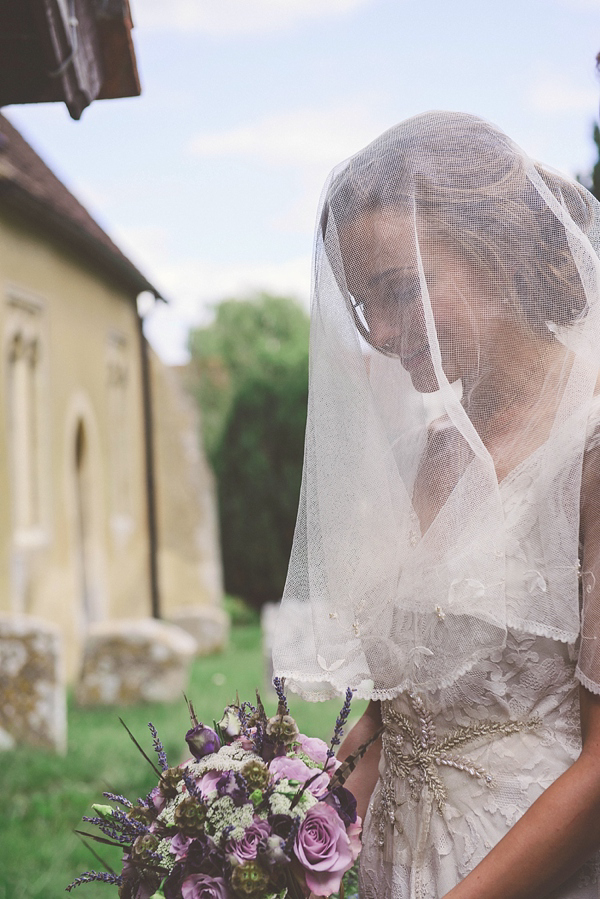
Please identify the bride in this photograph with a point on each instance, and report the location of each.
(446, 560)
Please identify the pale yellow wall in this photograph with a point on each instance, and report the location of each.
(189, 558)
(78, 314)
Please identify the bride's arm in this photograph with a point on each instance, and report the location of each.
(363, 779)
(562, 828)
(554, 837)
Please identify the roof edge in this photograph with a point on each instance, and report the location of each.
(39, 213)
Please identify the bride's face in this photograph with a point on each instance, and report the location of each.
(381, 266)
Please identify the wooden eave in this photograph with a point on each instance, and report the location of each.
(74, 51)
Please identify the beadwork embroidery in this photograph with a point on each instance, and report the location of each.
(427, 754)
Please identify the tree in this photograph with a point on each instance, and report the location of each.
(592, 181)
(263, 333)
(259, 471)
(250, 369)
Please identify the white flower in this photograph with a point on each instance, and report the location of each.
(230, 722)
(167, 859)
(223, 813)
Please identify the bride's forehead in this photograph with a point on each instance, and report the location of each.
(390, 242)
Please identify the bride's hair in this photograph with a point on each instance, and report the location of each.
(470, 188)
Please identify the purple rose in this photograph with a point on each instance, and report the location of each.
(208, 782)
(233, 785)
(323, 848)
(137, 884)
(205, 857)
(246, 849)
(296, 769)
(180, 845)
(343, 801)
(201, 886)
(157, 799)
(202, 741)
(314, 748)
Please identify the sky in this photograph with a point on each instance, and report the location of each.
(210, 181)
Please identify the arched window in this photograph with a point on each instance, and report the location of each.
(24, 359)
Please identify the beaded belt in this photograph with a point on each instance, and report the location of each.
(428, 752)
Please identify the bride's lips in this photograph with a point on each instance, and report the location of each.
(414, 359)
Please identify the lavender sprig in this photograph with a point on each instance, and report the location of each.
(279, 684)
(158, 747)
(90, 876)
(191, 785)
(118, 835)
(338, 730)
(116, 797)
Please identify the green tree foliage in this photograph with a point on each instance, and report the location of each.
(259, 472)
(250, 371)
(262, 334)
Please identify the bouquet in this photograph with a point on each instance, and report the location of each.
(258, 812)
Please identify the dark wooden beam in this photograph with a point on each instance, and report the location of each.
(77, 57)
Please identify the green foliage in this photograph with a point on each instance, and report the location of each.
(592, 181)
(262, 334)
(240, 613)
(250, 370)
(259, 471)
(44, 796)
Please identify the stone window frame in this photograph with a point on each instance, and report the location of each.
(25, 331)
(119, 372)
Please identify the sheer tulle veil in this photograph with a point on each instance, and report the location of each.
(455, 335)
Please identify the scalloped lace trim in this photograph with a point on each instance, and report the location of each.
(590, 685)
(299, 682)
(542, 630)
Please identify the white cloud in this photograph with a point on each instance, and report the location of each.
(309, 140)
(235, 17)
(585, 5)
(301, 137)
(553, 93)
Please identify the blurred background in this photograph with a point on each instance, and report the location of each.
(160, 171)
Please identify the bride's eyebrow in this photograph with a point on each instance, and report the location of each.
(388, 273)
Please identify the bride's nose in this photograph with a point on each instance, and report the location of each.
(400, 330)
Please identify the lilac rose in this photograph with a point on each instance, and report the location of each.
(314, 748)
(180, 845)
(296, 769)
(205, 857)
(246, 848)
(344, 802)
(202, 740)
(208, 782)
(201, 886)
(324, 850)
(232, 784)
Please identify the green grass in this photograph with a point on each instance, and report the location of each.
(44, 796)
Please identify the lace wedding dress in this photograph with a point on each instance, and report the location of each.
(462, 764)
(455, 326)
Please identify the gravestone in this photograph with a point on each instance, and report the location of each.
(208, 625)
(33, 706)
(130, 661)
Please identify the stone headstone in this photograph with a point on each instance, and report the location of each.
(268, 623)
(131, 661)
(33, 705)
(208, 625)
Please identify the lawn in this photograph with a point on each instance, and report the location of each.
(44, 796)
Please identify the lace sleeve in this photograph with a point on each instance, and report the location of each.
(588, 668)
